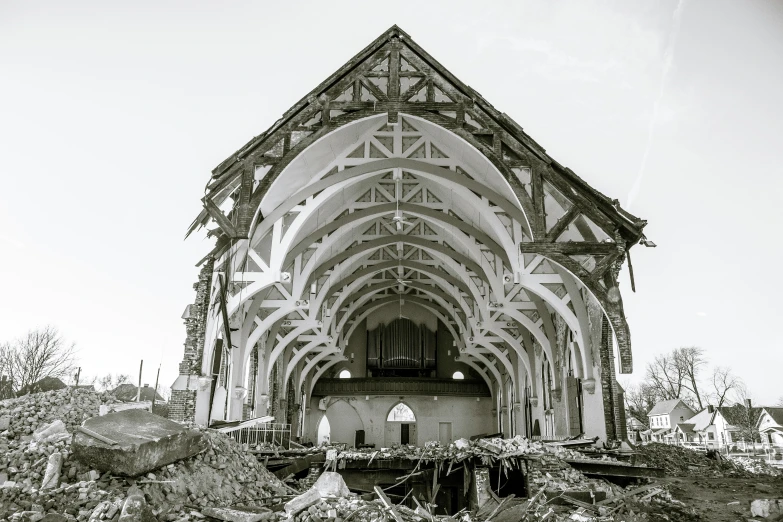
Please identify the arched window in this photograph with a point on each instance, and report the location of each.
(458, 375)
(345, 374)
(401, 413)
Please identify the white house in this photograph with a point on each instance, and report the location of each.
(665, 416)
(770, 426)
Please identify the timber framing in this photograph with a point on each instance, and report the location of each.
(394, 181)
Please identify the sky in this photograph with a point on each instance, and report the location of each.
(113, 114)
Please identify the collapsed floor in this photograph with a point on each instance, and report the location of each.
(228, 481)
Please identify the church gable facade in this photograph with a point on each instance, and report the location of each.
(396, 230)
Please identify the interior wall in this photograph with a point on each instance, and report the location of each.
(468, 417)
(357, 345)
(446, 363)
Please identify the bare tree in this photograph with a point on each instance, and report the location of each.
(40, 353)
(665, 377)
(639, 399)
(676, 375)
(690, 360)
(724, 382)
(111, 381)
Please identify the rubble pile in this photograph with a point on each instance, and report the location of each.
(39, 474)
(462, 449)
(755, 466)
(70, 405)
(681, 461)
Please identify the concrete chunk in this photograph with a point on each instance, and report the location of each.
(144, 442)
(462, 443)
(52, 475)
(52, 432)
(331, 484)
(765, 508)
(309, 498)
(233, 515)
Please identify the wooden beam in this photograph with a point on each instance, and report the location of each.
(571, 248)
(563, 223)
(219, 217)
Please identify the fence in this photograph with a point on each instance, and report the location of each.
(260, 434)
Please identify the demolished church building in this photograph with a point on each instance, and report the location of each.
(399, 261)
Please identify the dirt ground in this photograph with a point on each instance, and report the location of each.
(714, 499)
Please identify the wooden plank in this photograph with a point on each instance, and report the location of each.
(300, 464)
(388, 503)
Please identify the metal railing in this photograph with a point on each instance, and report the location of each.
(261, 434)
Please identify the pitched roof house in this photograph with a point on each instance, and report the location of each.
(770, 425)
(127, 393)
(665, 416)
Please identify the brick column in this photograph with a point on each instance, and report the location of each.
(182, 406)
(609, 389)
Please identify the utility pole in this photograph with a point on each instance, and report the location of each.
(138, 390)
(155, 393)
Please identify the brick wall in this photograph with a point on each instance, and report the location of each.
(614, 414)
(607, 378)
(182, 406)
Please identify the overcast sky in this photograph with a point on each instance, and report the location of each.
(113, 114)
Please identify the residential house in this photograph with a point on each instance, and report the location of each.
(770, 426)
(665, 416)
(717, 427)
(634, 427)
(127, 393)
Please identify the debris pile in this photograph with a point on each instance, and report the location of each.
(755, 466)
(71, 406)
(462, 449)
(687, 462)
(39, 474)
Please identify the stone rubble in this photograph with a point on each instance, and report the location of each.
(42, 481)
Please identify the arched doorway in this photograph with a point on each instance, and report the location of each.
(324, 431)
(344, 422)
(400, 426)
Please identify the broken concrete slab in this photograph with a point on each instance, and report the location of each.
(142, 442)
(331, 484)
(52, 432)
(303, 501)
(5, 423)
(235, 515)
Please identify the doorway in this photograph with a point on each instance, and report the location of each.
(444, 433)
(400, 426)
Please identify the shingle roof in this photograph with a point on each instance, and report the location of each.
(666, 407)
(701, 420)
(776, 414)
(127, 392)
(686, 428)
(737, 415)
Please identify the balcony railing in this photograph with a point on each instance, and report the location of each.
(402, 386)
